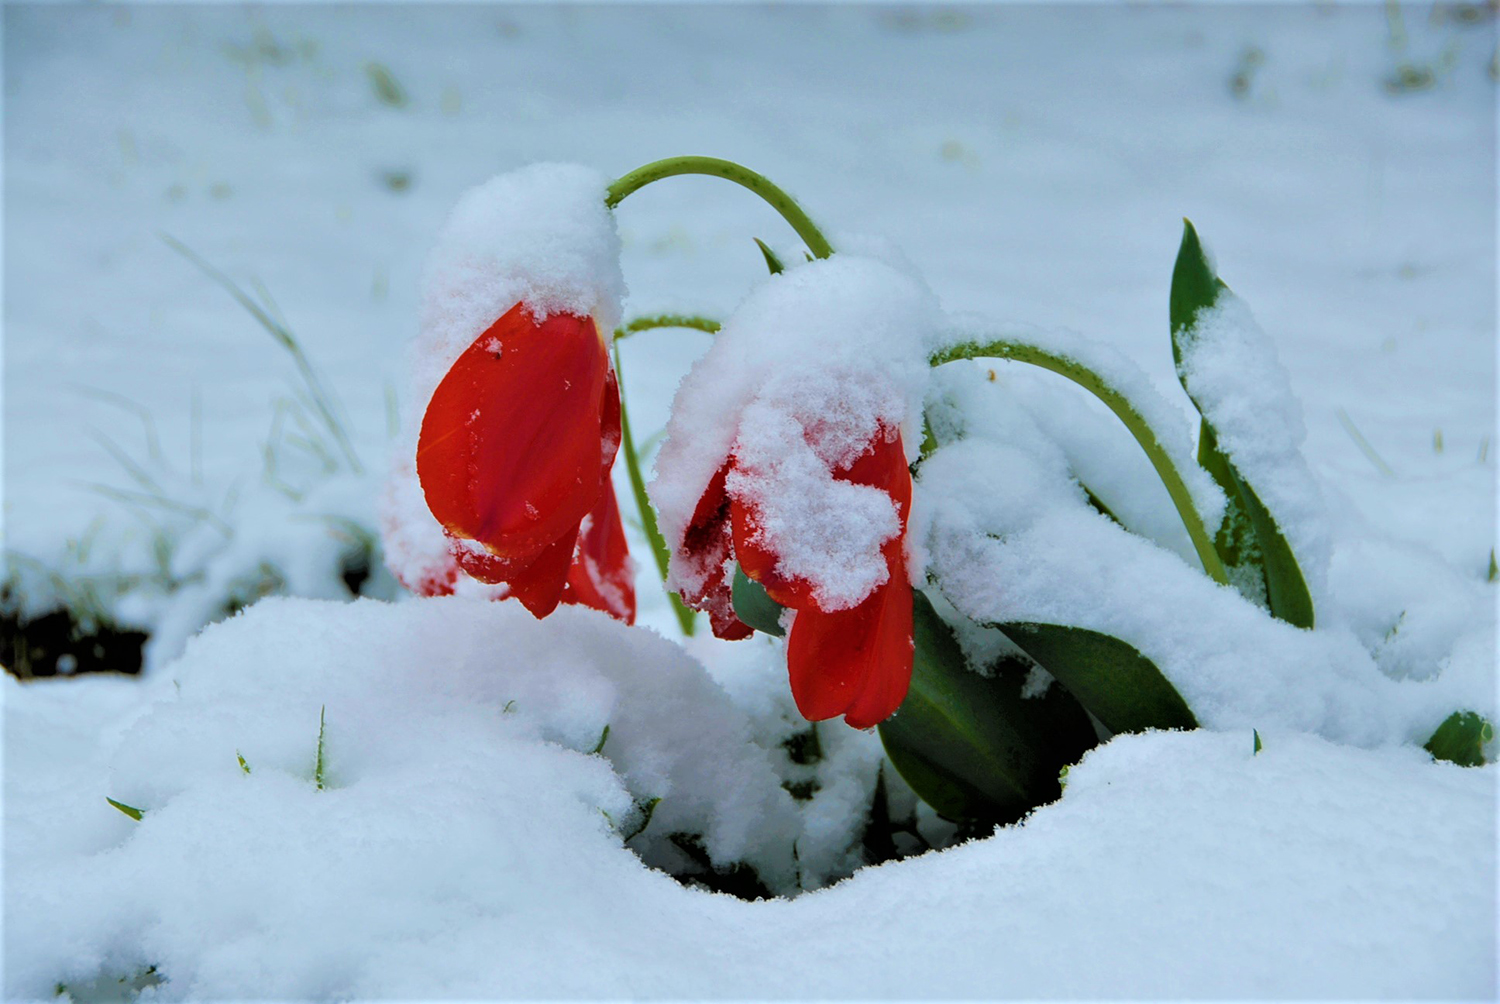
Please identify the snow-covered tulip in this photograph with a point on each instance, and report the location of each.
(851, 660)
(514, 457)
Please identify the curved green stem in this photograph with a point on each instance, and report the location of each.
(693, 321)
(729, 171)
(1090, 381)
(633, 461)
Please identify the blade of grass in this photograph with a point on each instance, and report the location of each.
(323, 400)
(1364, 444)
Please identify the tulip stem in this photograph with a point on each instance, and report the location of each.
(729, 171)
(1117, 402)
(638, 487)
(693, 321)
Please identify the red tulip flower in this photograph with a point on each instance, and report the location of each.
(855, 661)
(514, 457)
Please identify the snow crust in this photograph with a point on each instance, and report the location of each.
(813, 365)
(460, 846)
(540, 235)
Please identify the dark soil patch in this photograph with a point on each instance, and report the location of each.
(55, 645)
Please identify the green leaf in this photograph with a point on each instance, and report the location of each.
(1460, 739)
(1194, 288)
(129, 810)
(1099, 505)
(773, 263)
(971, 746)
(1249, 541)
(645, 809)
(244, 766)
(1286, 590)
(1118, 685)
(1494, 572)
(754, 606)
(1256, 734)
(603, 738)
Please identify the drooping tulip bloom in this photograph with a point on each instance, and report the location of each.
(853, 661)
(514, 457)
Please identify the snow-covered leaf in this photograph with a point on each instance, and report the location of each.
(972, 746)
(1118, 685)
(1249, 539)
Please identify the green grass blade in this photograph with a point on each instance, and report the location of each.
(318, 763)
(129, 810)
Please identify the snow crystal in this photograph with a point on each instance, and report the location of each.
(1231, 369)
(859, 318)
(541, 236)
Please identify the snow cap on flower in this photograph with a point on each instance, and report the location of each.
(844, 338)
(822, 529)
(541, 236)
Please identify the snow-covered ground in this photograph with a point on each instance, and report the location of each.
(1033, 163)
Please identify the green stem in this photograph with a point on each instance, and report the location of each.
(643, 503)
(1090, 381)
(693, 321)
(729, 171)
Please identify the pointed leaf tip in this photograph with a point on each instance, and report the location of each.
(773, 263)
(129, 810)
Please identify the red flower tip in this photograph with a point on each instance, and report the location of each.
(855, 662)
(514, 455)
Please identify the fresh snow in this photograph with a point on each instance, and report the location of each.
(1231, 369)
(166, 464)
(460, 846)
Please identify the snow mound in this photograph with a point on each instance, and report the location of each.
(459, 849)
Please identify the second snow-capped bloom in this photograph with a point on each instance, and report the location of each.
(514, 457)
(849, 650)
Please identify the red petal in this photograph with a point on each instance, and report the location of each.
(884, 467)
(511, 448)
(708, 547)
(855, 663)
(539, 587)
(601, 575)
(759, 562)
